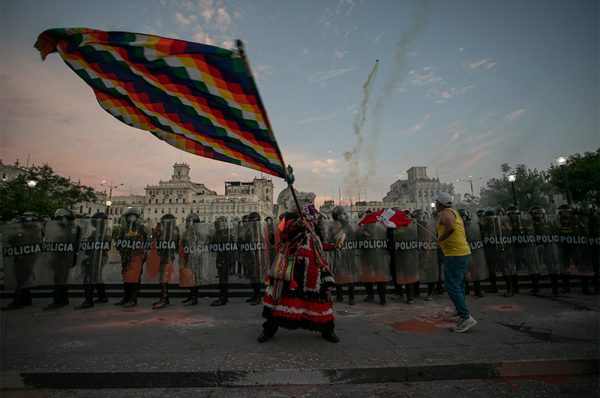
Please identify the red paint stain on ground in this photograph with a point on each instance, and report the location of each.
(507, 308)
(416, 326)
(554, 379)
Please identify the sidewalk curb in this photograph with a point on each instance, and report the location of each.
(233, 378)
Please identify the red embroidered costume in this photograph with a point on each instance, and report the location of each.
(304, 300)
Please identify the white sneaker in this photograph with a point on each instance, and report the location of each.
(464, 324)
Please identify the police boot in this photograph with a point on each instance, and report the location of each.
(135, 290)
(381, 287)
(351, 295)
(164, 297)
(439, 288)
(101, 289)
(222, 300)
(58, 298)
(509, 290)
(339, 295)
(584, 286)
(467, 288)
(16, 302)
(417, 289)
(410, 293)
(126, 294)
(515, 283)
(398, 290)
(88, 294)
(369, 290)
(535, 284)
(430, 288)
(477, 289)
(554, 284)
(256, 299)
(493, 287)
(565, 283)
(193, 298)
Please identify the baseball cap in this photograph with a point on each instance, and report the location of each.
(444, 198)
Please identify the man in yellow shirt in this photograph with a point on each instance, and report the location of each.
(453, 241)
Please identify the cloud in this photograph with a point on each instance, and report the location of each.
(485, 63)
(514, 115)
(340, 54)
(444, 96)
(202, 37)
(330, 74)
(413, 129)
(320, 166)
(223, 17)
(425, 77)
(185, 21)
(327, 116)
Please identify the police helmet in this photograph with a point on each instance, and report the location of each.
(337, 212)
(64, 214)
(489, 213)
(534, 210)
(192, 218)
(465, 214)
(254, 216)
(500, 211)
(512, 209)
(585, 208)
(418, 214)
(132, 211)
(480, 213)
(100, 215)
(29, 216)
(167, 217)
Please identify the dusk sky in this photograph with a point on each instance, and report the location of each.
(460, 87)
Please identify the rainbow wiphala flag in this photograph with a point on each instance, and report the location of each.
(199, 98)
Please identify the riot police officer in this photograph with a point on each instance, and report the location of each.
(522, 233)
(27, 234)
(546, 249)
(477, 267)
(345, 272)
(167, 242)
(190, 259)
(61, 238)
(588, 257)
(96, 249)
(225, 258)
(132, 246)
(254, 257)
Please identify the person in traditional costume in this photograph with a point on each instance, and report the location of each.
(299, 283)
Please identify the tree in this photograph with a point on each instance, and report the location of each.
(51, 193)
(582, 175)
(532, 188)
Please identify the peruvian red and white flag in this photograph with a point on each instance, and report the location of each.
(388, 217)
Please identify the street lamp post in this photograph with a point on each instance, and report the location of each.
(512, 178)
(31, 183)
(110, 189)
(562, 161)
(470, 181)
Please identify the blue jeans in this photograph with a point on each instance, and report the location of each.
(455, 278)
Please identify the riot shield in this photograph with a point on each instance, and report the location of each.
(405, 251)
(160, 264)
(133, 246)
(195, 267)
(546, 243)
(21, 251)
(223, 250)
(478, 268)
(573, 245)
(497, 244)
(427, 251)
(254, 251)
(60, 247)
(582, 242)
(373, 254)
(325, 231)
(345, 261)
(523, 242)
(92, 254)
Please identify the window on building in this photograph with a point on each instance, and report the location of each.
(169, 200)
(156, 210)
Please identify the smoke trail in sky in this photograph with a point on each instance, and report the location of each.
(399, 69)
(353, 181)
(353, 178)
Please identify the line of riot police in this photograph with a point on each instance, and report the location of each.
(66, 251)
